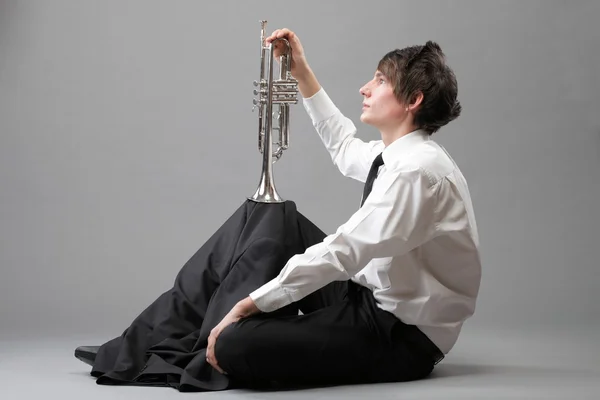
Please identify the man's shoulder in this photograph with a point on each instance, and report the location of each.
(430, 159)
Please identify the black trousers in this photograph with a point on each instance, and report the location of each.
(341, 338)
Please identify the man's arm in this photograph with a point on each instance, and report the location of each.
(308, 84)
(397, 216)
(351, 155)
(307, 81)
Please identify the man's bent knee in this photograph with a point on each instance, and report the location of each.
(229, 348)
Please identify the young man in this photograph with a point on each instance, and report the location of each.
(384, 297)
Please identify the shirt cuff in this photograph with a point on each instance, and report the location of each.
(319, 106)
(270, 296)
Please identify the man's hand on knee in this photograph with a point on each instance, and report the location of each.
(242, 309)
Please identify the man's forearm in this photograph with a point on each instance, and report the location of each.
(307, 82)
(246, 307)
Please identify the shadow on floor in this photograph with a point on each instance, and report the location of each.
(441, 372)
(450, 370)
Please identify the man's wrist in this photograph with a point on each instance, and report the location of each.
(303, 72)
(247, 307)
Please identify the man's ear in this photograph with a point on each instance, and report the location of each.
(416, 101)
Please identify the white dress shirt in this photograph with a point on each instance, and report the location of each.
(414, 242)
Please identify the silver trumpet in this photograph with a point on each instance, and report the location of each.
(281, 93)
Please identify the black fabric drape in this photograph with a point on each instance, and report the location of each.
(165, 345)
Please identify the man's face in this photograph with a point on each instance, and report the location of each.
(380, 107)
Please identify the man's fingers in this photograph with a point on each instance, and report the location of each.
(279, 33)
(273, 36)
(210, 353)
(209, 349)
(216, 366)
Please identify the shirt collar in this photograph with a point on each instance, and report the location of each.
(395, 151)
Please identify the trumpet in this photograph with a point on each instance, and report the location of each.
(274, 99)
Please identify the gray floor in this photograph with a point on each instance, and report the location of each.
(486, 364)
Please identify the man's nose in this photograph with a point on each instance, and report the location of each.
(365, 91)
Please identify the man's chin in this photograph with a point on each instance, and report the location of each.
(368, 121)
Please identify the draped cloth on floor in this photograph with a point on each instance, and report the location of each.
(165, 345)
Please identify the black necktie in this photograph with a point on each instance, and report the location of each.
(377, 162)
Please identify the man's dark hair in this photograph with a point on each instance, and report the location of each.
(423, 69)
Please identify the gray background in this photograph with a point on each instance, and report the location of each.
(127, 139)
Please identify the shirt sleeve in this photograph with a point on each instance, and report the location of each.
(396, 217)
(351, 155)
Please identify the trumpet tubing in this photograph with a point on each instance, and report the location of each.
(274, 98)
